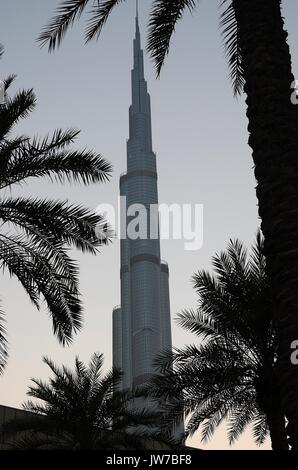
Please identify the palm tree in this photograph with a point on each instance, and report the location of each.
(85, 410)
(260, 63)
(230, 375)
(36, 235)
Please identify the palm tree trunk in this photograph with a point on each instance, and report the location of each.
(278, 435)
(273, 128)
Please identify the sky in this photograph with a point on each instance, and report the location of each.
(200, 138)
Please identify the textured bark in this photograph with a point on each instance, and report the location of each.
(273, 128)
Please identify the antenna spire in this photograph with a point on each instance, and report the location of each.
(137, 17)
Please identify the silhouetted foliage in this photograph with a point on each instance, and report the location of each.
(230, 374)
(165, 15)
(84, 409)
(36, 234)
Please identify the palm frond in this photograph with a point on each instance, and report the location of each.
(39, 275)
(95, 371)
(260, 429)
(54, 223)
(14, 109)
(240, 417)
(15, 257)
(37, 235)
(50, 158)
(230, 33)
(67, 13)
(209, 414)
(236, 296)
(99, 15)
(83, 167)
(258, 259)
(45, 237)
(231, 265)
(8, 81)
(199, 323)
(164, 17)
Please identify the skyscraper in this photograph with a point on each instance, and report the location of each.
(142, 324)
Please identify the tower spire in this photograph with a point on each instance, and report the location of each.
(137, 19)
(140, 97)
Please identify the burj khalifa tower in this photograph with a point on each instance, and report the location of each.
(142, 324)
